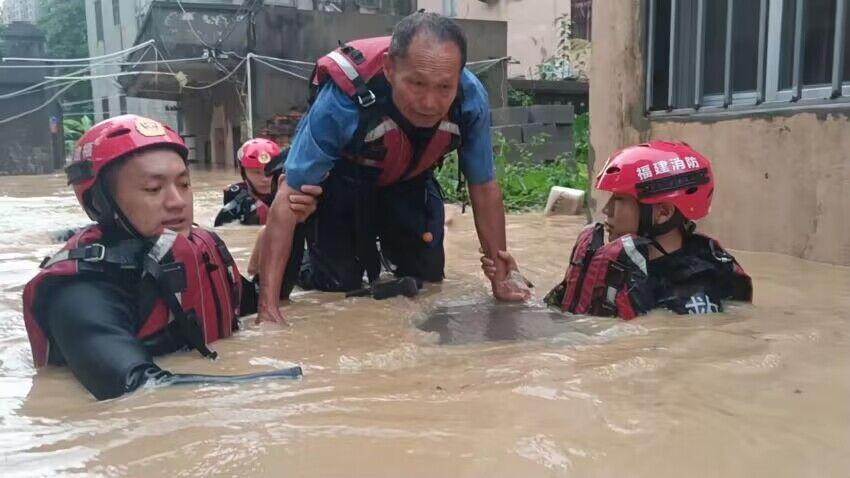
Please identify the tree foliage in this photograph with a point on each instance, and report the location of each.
(64, 24)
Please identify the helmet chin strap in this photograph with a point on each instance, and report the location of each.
(109, 215)
(648, 229)
(266, 198)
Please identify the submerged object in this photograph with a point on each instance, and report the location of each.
(193, 379)
(495, 321)
(386, 289)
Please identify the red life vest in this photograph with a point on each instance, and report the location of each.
(357, 69)
(196, 276)
(612, 280)
(601, 278)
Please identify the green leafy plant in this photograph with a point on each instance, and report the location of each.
(74, 129)
(525, 183)
(519, 98)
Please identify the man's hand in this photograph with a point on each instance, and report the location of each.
(489, 265)
(303, 204)
(514, 287)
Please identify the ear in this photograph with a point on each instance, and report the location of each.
(389, 67)
(663, 212)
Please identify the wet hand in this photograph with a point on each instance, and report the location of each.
(511, 289)
(304, 204)
(488, 265)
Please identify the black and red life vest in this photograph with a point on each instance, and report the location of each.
(613, 280)
(198, 284)
(356, 68)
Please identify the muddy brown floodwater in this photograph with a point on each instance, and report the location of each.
(763, 390)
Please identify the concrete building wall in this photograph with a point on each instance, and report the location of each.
(307, 35)
(532, 36)
(119, 35)
(19, 11)
(31, 144)
(782, 179)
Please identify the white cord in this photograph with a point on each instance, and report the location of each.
(219, 80)
(263, 57)
(273, 67)
(73, 60)
(47, 103)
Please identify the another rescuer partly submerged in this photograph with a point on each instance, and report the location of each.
(653, 257)
(248, 201)
(386, 112)
(143, 281)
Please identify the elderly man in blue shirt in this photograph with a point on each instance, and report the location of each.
(391, 110)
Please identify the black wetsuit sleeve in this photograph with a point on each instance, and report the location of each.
(93, 325)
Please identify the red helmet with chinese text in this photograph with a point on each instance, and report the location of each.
(661, 171)
(257, 153)
(109, 141)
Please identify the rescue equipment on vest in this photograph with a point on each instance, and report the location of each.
(198, 284)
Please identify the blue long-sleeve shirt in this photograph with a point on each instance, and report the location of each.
(331, 122)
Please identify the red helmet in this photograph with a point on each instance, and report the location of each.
(113, 139)
(257, 153)
(661, 171)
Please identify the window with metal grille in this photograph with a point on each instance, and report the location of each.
(740, 54)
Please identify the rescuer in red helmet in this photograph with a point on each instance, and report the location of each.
(652, 257)
(248, 201)
(143, 281)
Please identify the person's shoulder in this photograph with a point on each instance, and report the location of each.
(471, 86)
(331, 97)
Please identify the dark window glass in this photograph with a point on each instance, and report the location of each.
(846, 75)
(661, 55)
(745, 44)
(715, 47)
(819, 34)
(786, 45)
(116, 12)
(104, 105)
(98, 20)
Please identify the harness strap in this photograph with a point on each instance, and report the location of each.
(596, 242)
(363, 95)
(124, 254)
(170, 279)
(232, 273)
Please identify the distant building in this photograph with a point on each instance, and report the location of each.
(33, 143)
(19, 11)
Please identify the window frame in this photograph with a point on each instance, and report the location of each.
(768, 96)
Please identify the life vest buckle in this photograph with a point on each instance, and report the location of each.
(94, 253)
(367, 100)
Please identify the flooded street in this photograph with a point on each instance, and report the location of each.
(761, 391)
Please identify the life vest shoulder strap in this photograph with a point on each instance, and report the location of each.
(351, 67)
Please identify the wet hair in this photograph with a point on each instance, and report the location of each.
(441, 28)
